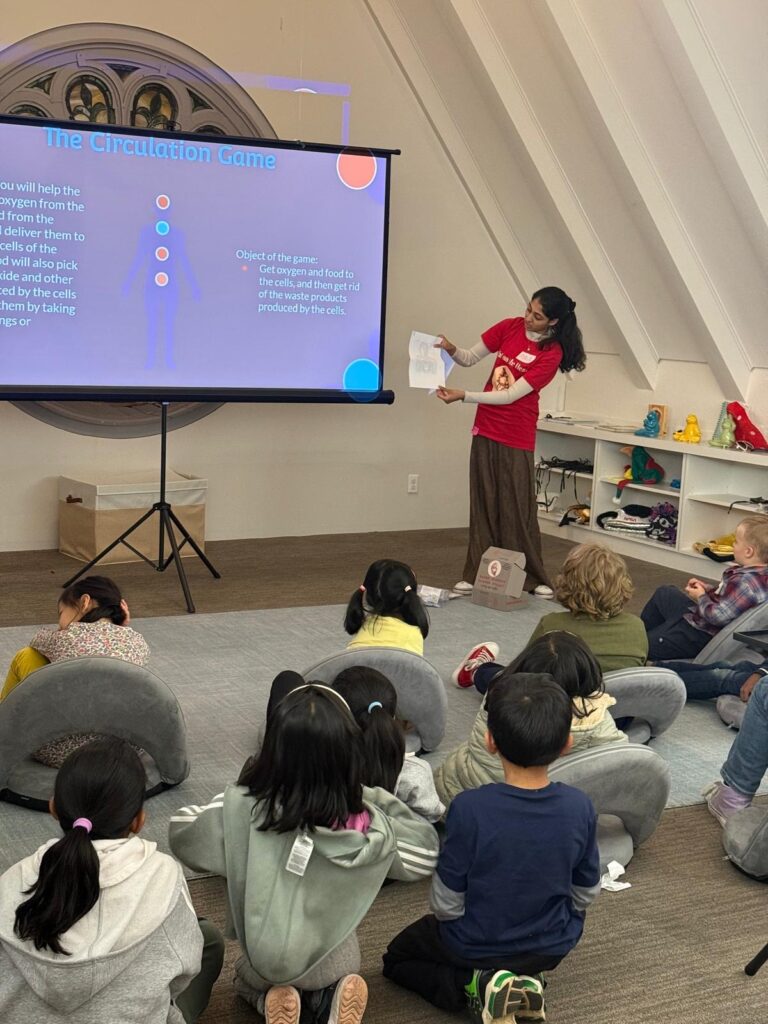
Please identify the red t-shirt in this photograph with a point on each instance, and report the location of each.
(515, 424)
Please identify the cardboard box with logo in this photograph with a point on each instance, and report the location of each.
(500, 580)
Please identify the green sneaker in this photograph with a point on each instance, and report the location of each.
(493, 996)
(532, 1005)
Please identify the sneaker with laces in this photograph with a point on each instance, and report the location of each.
(463, 587)
(723, 801)
(282, 1005)
(493, 996)
(480, 654)
(532, 1005)
(349, 1000)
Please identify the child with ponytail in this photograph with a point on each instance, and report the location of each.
(386, 610)
(98, 925)
(372, 699)
(304, 846)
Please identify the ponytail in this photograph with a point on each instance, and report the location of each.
(383, 747)
(414, 612)
(557, 305)
(67, 887)
(105, 781)
(372, 699)
(354, 617)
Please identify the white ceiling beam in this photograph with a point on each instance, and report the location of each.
(634, 343)
(722, 99)
(724, 351)
(405, 52)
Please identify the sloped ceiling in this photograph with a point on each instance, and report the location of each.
(617, 148)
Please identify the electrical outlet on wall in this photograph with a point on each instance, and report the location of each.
(413, 483)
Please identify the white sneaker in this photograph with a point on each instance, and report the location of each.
(543, 591)
(480, 654)
(463, 587)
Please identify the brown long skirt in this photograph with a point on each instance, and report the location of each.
(502, 507)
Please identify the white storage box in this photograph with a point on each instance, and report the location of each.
(93, 512)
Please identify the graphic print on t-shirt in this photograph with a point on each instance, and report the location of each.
(501, 379)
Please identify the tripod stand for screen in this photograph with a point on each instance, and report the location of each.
(168, 520)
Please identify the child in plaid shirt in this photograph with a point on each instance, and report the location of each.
(680, 623)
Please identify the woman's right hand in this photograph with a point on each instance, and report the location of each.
(124, 606)
(443, 343)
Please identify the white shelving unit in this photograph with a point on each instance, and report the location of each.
(715, 486)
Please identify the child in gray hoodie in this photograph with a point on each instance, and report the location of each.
(305, 848)
(98, 925)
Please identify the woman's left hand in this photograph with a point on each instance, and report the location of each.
(449, 395)
(124, 606)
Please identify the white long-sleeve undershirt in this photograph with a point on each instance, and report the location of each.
(470, 356)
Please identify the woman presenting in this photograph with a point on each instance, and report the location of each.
(529, 351)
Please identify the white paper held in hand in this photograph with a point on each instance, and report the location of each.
(426, 369)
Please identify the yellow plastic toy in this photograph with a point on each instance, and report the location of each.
(719, 546)
(691, 433)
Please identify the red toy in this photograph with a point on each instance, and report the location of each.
(746, 430)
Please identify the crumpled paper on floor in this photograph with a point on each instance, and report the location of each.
(610, 882)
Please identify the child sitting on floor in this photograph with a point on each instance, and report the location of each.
(305, 848)
(93, 621)
(681, 624)
(372, 700)
(594, 585)
(97, 925)
(518, 868)
(569, 661)
(386, 611)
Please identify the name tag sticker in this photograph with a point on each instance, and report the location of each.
(527, 357)
(299, 856)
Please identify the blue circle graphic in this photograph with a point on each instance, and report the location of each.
(362, 377)
(162, 227)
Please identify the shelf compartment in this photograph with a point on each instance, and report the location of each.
(565, 472)
(669, 492)
(740, 503)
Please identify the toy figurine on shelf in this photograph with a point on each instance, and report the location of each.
(642, 470)
(651, 425)
(691, 433)
(725, 431)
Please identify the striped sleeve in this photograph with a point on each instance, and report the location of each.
(196, 836)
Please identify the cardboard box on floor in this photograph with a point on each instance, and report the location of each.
(500, 580)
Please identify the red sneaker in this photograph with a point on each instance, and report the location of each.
(480, 654)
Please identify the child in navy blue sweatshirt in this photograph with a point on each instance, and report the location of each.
(517, 871)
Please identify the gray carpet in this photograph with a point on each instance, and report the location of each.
(220, 666)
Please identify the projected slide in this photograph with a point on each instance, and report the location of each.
(136, 261)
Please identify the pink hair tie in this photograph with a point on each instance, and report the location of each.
(361, 588)
(85, 823)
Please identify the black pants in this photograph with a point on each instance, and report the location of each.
(669, 634)
(419, 960)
